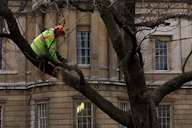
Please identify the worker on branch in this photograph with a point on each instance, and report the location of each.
(44, 44)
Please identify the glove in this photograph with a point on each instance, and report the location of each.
(63, 60)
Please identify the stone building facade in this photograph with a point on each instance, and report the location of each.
(27, 102)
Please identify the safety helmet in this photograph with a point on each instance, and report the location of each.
(59, 30)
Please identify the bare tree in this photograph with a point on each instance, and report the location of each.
(142, 100)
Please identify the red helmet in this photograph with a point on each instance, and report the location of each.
(59, 30)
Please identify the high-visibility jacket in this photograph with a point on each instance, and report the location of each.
(44, 44)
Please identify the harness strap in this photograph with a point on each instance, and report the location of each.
(44, 72)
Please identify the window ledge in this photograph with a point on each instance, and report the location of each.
(84, 65)
(4, 72)
(163, 72)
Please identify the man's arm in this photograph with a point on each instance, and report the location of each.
(61, 58)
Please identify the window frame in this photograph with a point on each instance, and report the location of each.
(159, 64)
(171, 116)
(122, 126)
(77, 99)
(162, 38)
(87, 49)
(37, 112)
(123, 100)
(2, 104)
(170, 102)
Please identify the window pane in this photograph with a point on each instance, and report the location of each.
(165, 45)
(161, 56)
(83, 47)
(84, 120)
(161, 65)
(165, 59)
(123, 106)
(164, 116)
(165, 52)
(165, 66)
(160, 44)
(156, 45)
(83, 52)
(83, 60)
(157, 66)
(157, 59)
(89, 125)
(82, 43)
(42, 119)
(88, 60)
(157, 51)
(161, 51)
(88, 52)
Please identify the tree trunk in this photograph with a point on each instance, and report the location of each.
(142, 106)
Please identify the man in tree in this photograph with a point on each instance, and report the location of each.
(44, 44)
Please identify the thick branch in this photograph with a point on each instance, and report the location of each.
(122, 23)
(183, 16)
(82, 7)
(82, 86)
(113, 32)
(159, 21)
(151, 24)
(79, 83)
(23, 5)
(170, 86)
(6, 35)
(183, 67)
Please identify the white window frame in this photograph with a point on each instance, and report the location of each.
(124, 108)
(81, 107)
(164, 118)
(42, 115)
(162, 63)
(83, 51)
(2, 108)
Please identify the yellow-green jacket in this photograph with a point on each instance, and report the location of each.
(44, 44)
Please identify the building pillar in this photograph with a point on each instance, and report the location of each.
(94, 46)
(39, 28)
(72, 48)
(39, 23)
(112, 62)
(50, 19)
